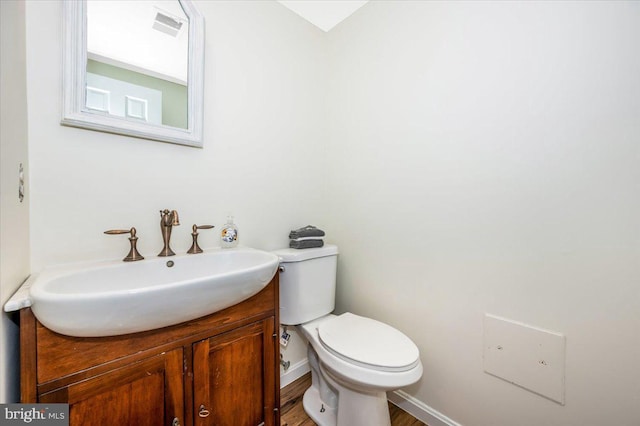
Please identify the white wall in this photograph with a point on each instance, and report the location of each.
(264, 90)
(14, 215)
(485, 158)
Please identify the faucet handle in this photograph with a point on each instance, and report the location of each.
(133, 252)
(195, 248)
(131, 231)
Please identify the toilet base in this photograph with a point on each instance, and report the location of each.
(358, 407)
(321, 414)
(330, 401)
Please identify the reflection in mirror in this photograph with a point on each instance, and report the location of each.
(135, 67)
(137, 58)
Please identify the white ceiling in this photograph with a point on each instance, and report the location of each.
(324, 14)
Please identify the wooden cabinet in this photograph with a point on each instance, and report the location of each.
(229, 385)
(217, 370)
(148, 392)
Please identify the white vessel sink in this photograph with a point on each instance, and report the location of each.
(113, 298)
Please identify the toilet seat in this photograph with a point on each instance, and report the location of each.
(368, 343)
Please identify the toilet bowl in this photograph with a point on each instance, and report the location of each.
(357, 361)
(354, 360)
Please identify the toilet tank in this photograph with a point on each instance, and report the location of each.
(307, 283)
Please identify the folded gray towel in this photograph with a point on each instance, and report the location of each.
(304, 244)
(306, 231)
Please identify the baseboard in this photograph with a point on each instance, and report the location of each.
(294, 372)
(419, 409)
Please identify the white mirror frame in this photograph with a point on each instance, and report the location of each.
(74, 112)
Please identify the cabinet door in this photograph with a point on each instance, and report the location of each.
(148, 392)
(234, 377)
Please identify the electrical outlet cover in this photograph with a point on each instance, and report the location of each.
(529, 357)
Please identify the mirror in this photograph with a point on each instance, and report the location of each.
(134, 67)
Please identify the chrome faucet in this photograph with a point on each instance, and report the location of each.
(168, 219)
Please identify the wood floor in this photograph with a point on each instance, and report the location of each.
(292, 412)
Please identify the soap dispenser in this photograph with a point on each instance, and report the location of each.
(229, 234)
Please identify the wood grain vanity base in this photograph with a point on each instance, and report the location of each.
(221, 369)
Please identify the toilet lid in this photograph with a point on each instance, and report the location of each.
(368, 342)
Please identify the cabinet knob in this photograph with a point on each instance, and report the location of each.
(203, 412)
(176, 422)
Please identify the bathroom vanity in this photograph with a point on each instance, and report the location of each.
(221, 369)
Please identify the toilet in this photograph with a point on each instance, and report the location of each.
(354, 360)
